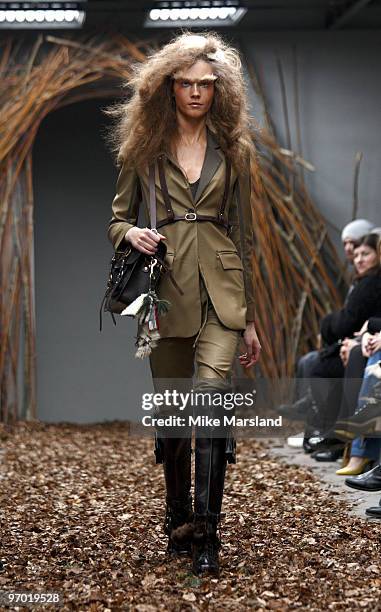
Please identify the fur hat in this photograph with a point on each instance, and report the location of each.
(356, 229)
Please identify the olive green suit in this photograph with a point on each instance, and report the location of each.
(194, 246)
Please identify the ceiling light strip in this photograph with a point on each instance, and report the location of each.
(162, 17)
(39, 15)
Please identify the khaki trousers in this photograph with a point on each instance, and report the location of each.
(211, 352)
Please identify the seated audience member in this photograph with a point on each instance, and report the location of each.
(367, 418)
(352, 233)
(303, 407)
(365, 451)
(371, 480)
(362, 303)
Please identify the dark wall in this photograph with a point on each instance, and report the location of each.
(340, 111)
(83, 375)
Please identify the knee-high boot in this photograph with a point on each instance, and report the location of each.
(214, 446)
(175, 454)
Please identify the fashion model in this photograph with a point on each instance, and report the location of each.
(189, 113)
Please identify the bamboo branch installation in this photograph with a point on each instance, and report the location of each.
(355, 206)
(294, 259)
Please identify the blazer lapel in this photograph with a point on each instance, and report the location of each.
(213, 158)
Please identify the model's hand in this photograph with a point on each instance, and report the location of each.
(253, 347)
(144, 239)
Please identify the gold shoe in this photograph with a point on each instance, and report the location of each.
(347, 471)
(346, 455)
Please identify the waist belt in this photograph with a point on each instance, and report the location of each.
(192, 215)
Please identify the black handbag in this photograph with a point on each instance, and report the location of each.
(134, 274)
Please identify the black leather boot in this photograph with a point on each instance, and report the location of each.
(206, 545)
(175, 454)
(178, 525)
(214, 446)
(210, 468)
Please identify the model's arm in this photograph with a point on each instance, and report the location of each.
(125, 206)
(244, 243)
(122, 227)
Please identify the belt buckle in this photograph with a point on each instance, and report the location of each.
(190, 216)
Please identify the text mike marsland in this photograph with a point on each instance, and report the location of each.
(206, 421)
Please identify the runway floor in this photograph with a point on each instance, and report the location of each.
(82, 511)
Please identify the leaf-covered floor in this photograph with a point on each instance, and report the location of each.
(82, 509)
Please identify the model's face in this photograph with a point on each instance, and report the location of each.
(364, 259)
(349, 246)
(193, 90)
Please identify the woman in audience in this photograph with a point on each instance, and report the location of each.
(371, 480)
(303, 406)
(363, 302)
(365, 451)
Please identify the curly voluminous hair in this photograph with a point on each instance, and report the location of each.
(145, 125)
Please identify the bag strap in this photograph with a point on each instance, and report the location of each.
(152, 196)
(164, 188)
(153, 213)
(226, 189)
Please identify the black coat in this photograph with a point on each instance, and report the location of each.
(363, 302)
(374, 325)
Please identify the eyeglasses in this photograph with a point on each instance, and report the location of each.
(205, 83)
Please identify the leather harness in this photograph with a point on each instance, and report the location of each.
(192, 215)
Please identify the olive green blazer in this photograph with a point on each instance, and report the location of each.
(224, 261)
